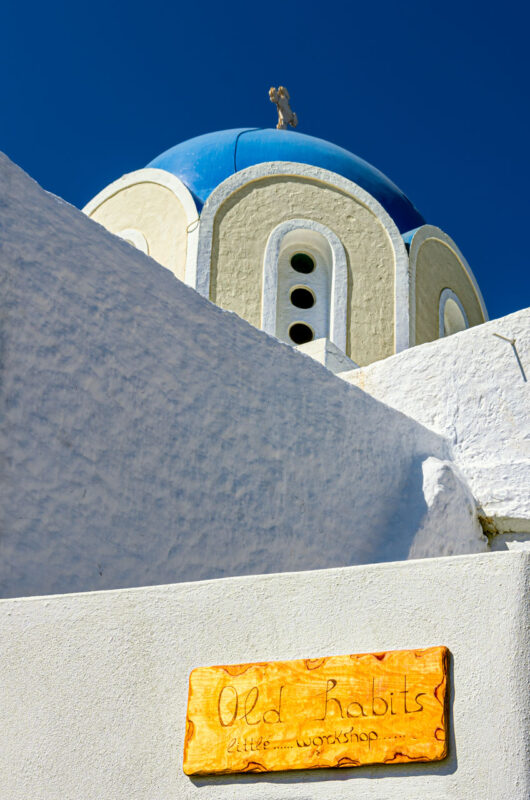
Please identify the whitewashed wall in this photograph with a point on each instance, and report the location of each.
(150, 437)
(474, 389)
(94, 687)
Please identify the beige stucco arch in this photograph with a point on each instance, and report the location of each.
(242, 212)
(153, 207)
(437, 265)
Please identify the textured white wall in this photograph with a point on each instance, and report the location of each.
(150, 437)
(94, 687)
(472, 388)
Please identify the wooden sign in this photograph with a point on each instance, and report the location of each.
(342, 711)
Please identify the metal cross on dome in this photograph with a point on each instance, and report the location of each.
(286, 116)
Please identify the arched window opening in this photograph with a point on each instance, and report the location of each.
(305, 284)
(303, 308)
(452, 317)
(136, 238)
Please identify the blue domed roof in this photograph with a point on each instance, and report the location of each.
(206, 161)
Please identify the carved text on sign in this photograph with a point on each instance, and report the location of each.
(342, 711)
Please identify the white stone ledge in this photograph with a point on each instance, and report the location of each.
(94, 686)
(326, 353)
(472, 388)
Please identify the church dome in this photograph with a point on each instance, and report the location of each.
(202, 163)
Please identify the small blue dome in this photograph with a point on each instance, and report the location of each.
(206, 161)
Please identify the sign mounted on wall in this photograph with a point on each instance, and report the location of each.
(342, 711)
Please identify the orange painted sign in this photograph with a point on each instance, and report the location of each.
(342, 711)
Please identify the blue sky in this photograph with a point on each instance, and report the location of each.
(434, 95)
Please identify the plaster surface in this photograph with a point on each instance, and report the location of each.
(472, 388)
(148, 436)
(327, 353)
(94, 687)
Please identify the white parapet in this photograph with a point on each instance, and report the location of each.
(473, 389)
(94, 686)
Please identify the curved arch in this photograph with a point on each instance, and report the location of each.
(181, 192)
(285, 168)
(339, 278)
(134, 237)
(448, 294)
(420, 236)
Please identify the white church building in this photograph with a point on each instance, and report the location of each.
(253, 411)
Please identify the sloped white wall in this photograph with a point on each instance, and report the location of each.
(150, 437)
(472, 388)
(94, 687)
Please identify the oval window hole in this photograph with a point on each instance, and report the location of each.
(300, 333)
(302, 298)
(302, 262)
